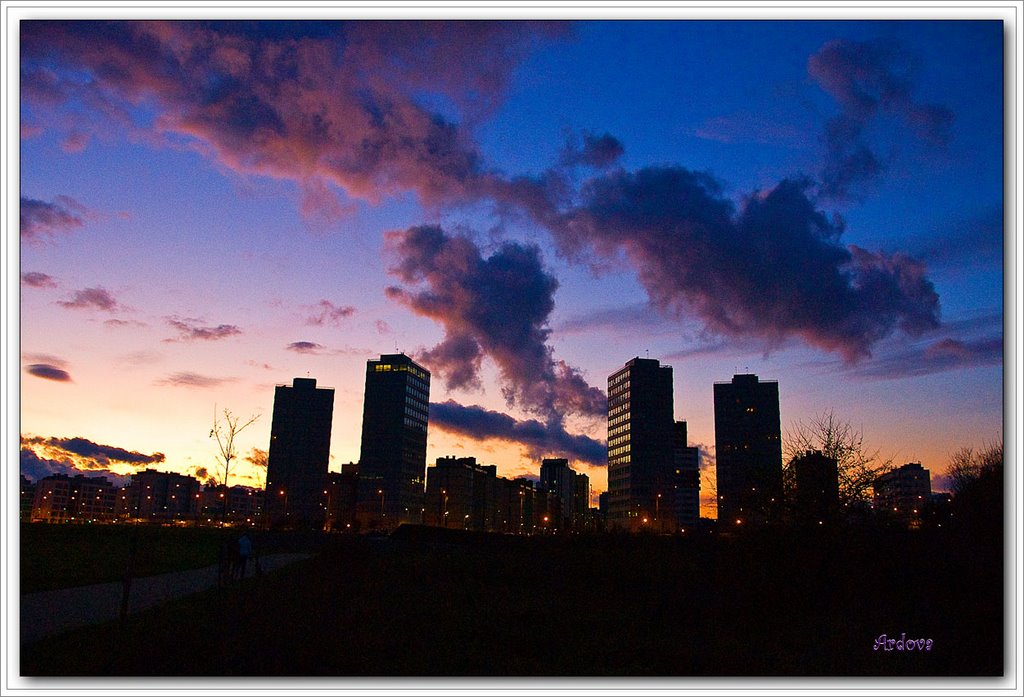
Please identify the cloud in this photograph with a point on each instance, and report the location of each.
(41, 457)
(91, 298)
(540, 440)
(124, 323)
(977, 239)
(330, 105)
(189, 379)
(926, 358)
(190, 330)
(41, 219)
(598, 152)
(496, 306)
(327, 312)
(773, 269)
(36, 468)
(35, 279)
(749, 128)
(48, 372)
(866, 77)
(305, 347)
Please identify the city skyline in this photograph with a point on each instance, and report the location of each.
(210, 210)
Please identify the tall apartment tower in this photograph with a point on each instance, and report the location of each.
(393, 453)
(300, 448)
(748, 449)
(640, 458)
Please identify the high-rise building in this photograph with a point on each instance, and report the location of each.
(393, 453)
(300, 448)
(748, 450)
(640, 458)
(686, 486)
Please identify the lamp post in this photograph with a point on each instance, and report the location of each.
(381, 492)
(284, 493)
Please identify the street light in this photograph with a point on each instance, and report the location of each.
(381, 492)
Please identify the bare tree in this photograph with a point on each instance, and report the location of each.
(858, 467)
(967, 466)
(225, 429)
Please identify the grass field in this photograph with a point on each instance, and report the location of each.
(62, 556)
(774, 604)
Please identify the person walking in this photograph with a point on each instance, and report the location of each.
(244, 552)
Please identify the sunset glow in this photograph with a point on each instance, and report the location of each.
(209, 209)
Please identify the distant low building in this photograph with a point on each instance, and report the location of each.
(686, 483)
(465, 495)
(60, 499)
(340, 494)
(159, 496)
(903, 493)
(28, 493)
(244, 504)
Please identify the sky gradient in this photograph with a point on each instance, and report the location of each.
(209, 209)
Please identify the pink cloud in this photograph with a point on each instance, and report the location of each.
(337, 106)
(91, 298)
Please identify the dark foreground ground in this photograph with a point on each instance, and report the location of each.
(781, 604)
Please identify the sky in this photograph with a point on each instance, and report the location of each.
(212, 208)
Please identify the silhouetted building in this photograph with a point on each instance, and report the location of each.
(393, 453)
(640, 450)
(583, 519)
(341, 498)
(748, 451)
(572, 490)
(159, 496)
(903, 493)
(817, 487)
(300, 449)
(28, 493)
(59, 498)
(686, 485)
(462, 494)
(244, 504)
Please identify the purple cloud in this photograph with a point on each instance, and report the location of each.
(773, 269)
(325, 311)
(866, 78)
(935, 357)
(190, 330)
(91, 298)
(35, 279)
(540, 440)
(307, 347)
(336, 108)
(496, 306)
(41, 219)
(48, 372)
(598, 152)
(189, 379)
